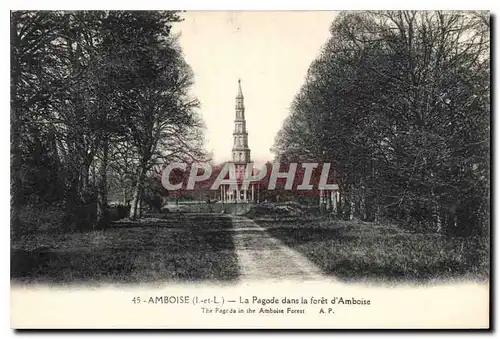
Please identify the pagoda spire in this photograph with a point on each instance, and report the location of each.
(240, 92)
(241, 151)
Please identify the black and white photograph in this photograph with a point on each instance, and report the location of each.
(153, 150)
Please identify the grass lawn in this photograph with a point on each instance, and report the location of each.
(358, 251)
(195, 248)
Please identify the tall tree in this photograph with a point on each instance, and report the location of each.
(92, 91)
(31, 34)
(399, 102)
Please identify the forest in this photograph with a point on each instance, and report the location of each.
(399, 103)
(99, 101)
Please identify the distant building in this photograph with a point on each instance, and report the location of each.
(240, 158)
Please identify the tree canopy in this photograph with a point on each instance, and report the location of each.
(399, 102)
(99, 100)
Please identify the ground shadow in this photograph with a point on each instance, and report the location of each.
(198, 249)
(364, 252)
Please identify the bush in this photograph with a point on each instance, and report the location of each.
(58, 217)
(40, 218)
(118, 212)
(81, 217)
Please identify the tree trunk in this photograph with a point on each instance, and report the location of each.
(140, 205)
(102, 189)
(16, 162)
(137, 193)
(364, 212)
(16, 159)
(436, 214)
(84, 174)
(125, 196)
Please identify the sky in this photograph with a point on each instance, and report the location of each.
(269, 51)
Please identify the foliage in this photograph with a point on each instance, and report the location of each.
(399, 102)
(99, 99)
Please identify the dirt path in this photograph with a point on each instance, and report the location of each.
(261, 256)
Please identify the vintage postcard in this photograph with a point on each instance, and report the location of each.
(243, 169)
